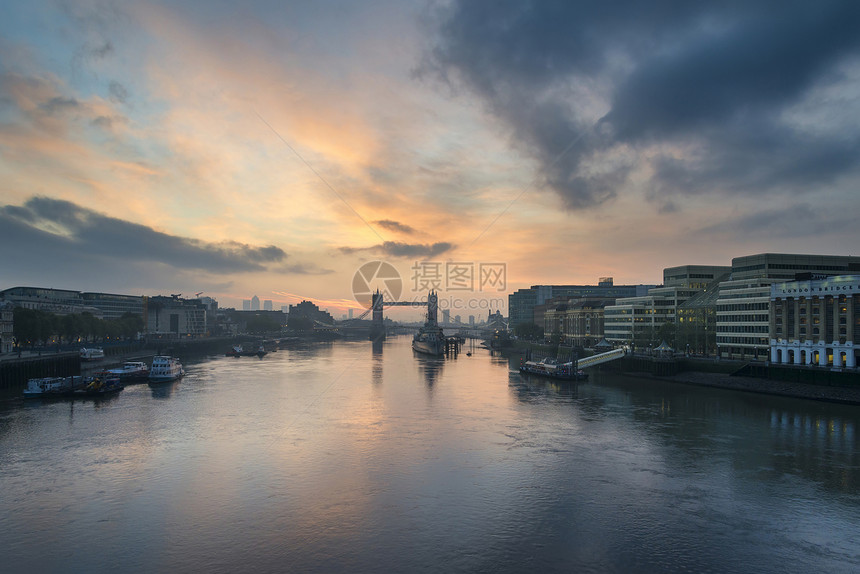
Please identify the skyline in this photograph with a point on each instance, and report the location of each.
(153, 148)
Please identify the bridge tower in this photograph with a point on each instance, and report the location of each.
(377, 326)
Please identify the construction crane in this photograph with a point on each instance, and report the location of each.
(198, 294)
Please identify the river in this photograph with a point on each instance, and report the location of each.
(350, 457)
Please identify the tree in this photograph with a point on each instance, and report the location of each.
(300, 323)
(528, 331)
(263, 324)
(666, 332)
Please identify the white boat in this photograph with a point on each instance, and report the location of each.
(165, 369)
(48, 387)
(92, 354)
(131, 371)
(430, 339)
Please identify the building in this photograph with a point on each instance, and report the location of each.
(312, 312)
(815, 321)
(7, 324)
(642, 320)
(255, 303)
(246, 304)
(524, 305)
(172, 317)
(67, 302)
(578, 322)
(743, 303)
(267, 305)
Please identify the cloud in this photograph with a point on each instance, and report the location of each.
(683, 97)
(118, 92)
(304, 269)
(398, 249)
(395, 226)
(62, 230)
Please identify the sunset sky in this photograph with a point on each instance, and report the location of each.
(273, 148)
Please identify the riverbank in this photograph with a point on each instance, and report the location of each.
(850, 396)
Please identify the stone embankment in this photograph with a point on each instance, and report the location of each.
(768, 386)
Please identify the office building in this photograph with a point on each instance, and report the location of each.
(642, 320)
(743, 303)
(815, 321)
(67, 302)
(528, 305)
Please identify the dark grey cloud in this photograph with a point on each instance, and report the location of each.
(57, 231)
(793, 221)
(304, 269)
(59, 104)
(579, 84)
(395, 226)
(118, 92)
(398, 249)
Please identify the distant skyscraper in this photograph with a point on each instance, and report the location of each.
(267, 305)
(457, 319)
(255, 303)
(446, 316)
(472, 320)
(246, 304)
(350, 313)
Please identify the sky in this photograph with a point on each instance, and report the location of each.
(296, 150)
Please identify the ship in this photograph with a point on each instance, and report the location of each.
(92, 354)
(567, 371)
(131, 371)
(165, 369)
(52, 387)
(430, 339)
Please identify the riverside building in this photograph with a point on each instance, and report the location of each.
(66, 302)
(529, 305)
(639, 320)
(815, 321)
(743, 304)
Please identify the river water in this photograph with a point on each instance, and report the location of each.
(349, 457)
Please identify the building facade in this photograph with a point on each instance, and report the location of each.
(644, 319)
(7, 324)
(529, 305)
(579, 322)
(743, 305)
(67, 302)
(815, 321)
(172, 317)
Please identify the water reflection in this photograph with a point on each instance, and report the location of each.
(429, 367)
(412, 463)
(163, 390)
(376, 360)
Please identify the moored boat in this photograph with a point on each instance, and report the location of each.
(92, 354)
(164, 369)
(131, 371)
(52, 387)
(554, 369)
(103, 383)
(238, 351)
